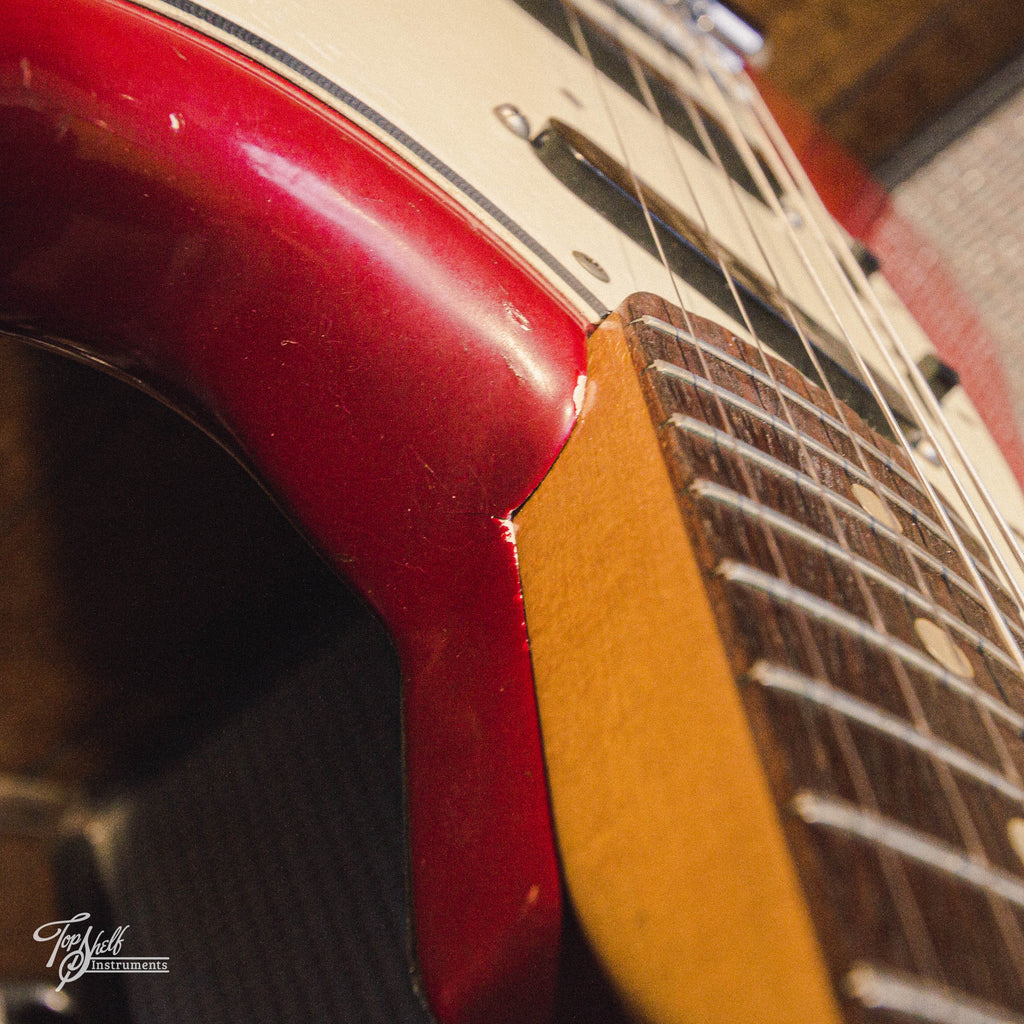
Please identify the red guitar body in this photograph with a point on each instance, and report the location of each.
(393, 375)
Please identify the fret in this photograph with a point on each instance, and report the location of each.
(876, 988)
(837, 618)
(782, 678)
(782, 427)
(824, 811)
(747, 507)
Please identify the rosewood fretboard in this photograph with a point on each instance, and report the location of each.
(897, 768)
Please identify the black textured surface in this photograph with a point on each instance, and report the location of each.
(231, 709)
(267, 863)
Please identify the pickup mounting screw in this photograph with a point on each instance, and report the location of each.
(513, 119)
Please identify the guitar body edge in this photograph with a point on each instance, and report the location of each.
(394, 375)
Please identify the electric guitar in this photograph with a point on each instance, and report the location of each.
(700, 570)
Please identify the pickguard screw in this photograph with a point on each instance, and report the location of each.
(513, 119)
(591, 265)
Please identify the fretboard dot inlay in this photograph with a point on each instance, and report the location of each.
(875, 507)
(1015, 833)
(941, 646)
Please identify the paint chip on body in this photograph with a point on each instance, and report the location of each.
(579, 393)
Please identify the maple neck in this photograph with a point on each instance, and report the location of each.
(885, 705)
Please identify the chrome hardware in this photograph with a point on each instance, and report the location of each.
(662, 21)
(589, 264)
(513, 119)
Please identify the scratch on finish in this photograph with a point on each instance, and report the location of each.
(508, 529)
(508, 533)
(518, 316)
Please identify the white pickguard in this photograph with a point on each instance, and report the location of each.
(433, 72)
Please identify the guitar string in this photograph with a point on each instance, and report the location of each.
(750, 161)
(995, 734)
(923, 586)
(770, 198)
(583, 47)
(910, 914)
(799, 435)
(1007, 924)
(894, 873)
(698, 121)
(967, 827)
(997, 616)
(821, 218)
(822, 222)
(870, 378)
(724, 413)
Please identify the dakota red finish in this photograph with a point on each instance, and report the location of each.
(396, 377)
